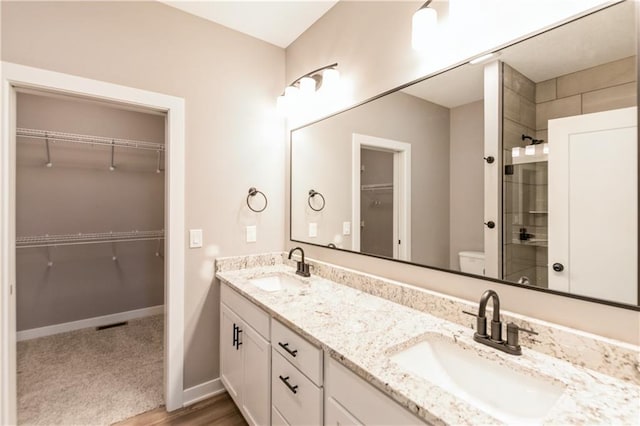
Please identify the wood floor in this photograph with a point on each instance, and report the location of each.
(218, 410)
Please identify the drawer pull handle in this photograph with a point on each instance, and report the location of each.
(238, 342)
(285, 380)
(235, 335)
(285, 346)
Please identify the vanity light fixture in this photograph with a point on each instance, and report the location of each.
(306, 86)
(423, 23)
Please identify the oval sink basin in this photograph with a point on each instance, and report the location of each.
(508, 395)
(276, 282)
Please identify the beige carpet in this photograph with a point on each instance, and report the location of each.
(90, 377)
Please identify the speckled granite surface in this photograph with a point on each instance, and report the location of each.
(362, 330)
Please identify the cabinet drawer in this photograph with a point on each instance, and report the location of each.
(299, 402)
(297, 351)
(250, 313)
(336, 415)
(360, 401)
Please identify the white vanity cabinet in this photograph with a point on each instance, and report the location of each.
(245, 355)
(277, 377)
(349, 400)
(296, 378)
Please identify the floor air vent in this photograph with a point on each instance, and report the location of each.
(115, 324)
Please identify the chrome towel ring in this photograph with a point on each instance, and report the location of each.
(252, 193)
(312, 194)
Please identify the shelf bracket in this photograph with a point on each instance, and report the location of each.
(46, 144)
(112, 167)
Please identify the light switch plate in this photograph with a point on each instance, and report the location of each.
(313, 229)
(346, 228)
(195, 238)
(252, 234)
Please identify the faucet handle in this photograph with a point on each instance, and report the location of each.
(481, 323)
(513, 337)
(515, 327)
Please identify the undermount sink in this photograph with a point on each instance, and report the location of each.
(276, 282)
(507, 394)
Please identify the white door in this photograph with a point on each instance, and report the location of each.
(256, 388)
(230, 353)
(593, 199)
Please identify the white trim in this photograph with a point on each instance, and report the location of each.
(493, 172)
(203, 391)
(401, 188)
(19, 76)
(49, 330)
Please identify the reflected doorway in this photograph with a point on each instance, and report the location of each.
(376, 201)
(381, 188)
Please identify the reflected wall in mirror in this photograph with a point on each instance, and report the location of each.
(405, 176)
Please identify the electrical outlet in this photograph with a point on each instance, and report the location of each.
(346, 228)
(252, 234)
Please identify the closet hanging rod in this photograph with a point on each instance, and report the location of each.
(88, 139)
(377, 186)
(88, 238)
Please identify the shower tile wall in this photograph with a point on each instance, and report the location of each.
(600, 88)
(528, 107)
(525, 191)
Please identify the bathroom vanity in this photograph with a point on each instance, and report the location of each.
(342, 347)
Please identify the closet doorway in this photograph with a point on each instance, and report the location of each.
(89, 259)
(124, 235)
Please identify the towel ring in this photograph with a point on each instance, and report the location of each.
(312, 194)
(252, 193)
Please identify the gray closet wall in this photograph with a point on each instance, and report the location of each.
(79, 194)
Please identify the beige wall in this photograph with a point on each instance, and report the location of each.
(233, 138)
(371, 42)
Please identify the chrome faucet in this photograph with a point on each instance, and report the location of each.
(511, 345)
(302, 268)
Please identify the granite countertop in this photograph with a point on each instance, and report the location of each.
(362, 331)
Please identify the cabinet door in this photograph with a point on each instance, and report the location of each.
(336, 415)
(256, 398)
(230, 355)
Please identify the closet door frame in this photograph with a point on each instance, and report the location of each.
(15, 77)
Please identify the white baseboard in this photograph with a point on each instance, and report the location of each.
(89, 322)
(202, 391)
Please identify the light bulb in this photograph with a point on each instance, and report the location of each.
(307, 86)
(530, 150)
(422, 27)
(515, 152)
(291, 93)
(330, 78)
(545, 148)
(282, 105)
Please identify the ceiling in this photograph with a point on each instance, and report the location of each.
(276, 22)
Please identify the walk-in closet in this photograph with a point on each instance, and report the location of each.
(90, 214)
